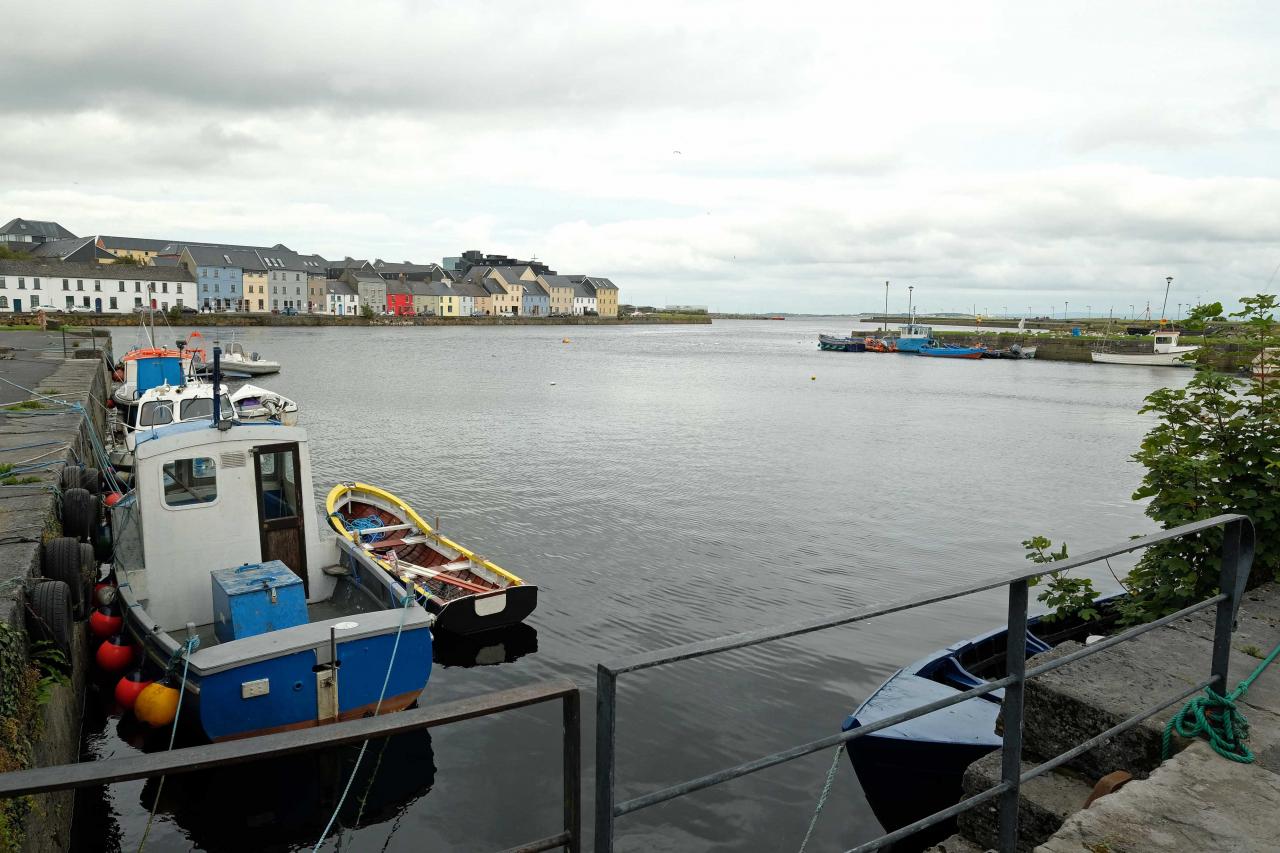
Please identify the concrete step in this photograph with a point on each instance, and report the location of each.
(1194, 801)
(1080, 700)
(1045, 802)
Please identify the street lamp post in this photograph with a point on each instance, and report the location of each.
(1065, 306)
(1132, 310)
(1088, 311)
(886, 307)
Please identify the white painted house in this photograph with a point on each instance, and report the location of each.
(584, 296)
(341, 299)
(94, 288)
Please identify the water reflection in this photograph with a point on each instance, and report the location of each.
(505, 645)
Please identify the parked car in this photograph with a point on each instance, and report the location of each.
(82, 309)
(187, 309)
(289, 312)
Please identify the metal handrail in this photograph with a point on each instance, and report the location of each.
(60, 777)
(1237, 558)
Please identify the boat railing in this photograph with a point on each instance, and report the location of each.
(89, 774)
(1237, 558)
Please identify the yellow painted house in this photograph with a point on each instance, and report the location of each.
(140, 249)
(606, 296)
(560, 290)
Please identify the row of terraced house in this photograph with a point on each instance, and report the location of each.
(60, 271)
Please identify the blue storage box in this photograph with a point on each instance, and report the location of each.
(256, 598)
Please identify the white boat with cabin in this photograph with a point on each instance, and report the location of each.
(1166, 352)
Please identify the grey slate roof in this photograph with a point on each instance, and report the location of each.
(511, 274)
(137, 244)
(105, 272)
(396, 287)
(581, 287)
(601, 283)
(65, 249)
(164, 262)
(532, 288)
(561, 280)
(341, 288)
(36, 228)
(433, 288)
(469, 288)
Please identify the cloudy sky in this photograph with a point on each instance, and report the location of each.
(782, 156)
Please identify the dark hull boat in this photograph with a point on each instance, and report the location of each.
(913, 769)
(839, 344)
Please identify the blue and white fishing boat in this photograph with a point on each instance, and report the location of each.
(912, 337)
(913, 769)
(221, 559)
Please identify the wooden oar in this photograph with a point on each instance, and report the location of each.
(425, 572)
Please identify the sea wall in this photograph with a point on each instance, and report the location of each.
(244, 320)
(1222, 355)
(37, 728)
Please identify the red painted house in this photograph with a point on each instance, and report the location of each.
(399, 297)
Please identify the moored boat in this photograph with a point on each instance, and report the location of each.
(466, 592)
(237, 361)
(839, 344)
(913, 769)
(912, 337)
(220, 559)
(253, 403)
(1165, 352)
(936, 350)
(874, 344)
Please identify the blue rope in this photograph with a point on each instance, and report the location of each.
(358, 525)
(184, 651)
(404, 611)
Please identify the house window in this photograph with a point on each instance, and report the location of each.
(112, 303)
(97, 287)
(179, 287)
(187, 482)
(260, 306)
(35, 302)
(164, 287)
(22, 284)
(66, 285)
(215, 274)
(2, 286)
(122, 287)
(137, 287)
(71, 301)
(297, 277)
(86, 301)
(137, 301)
(205, 287)
(4, 302)
(35, 284)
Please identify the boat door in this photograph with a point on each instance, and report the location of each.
(280, 520)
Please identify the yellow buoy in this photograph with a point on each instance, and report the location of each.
(157, 704)
(564, 341)
(813, 378)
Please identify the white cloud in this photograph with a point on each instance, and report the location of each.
(980, 151)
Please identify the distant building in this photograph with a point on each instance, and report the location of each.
(559, 290)
(340, 299)
(61, 285)
(473, 298)
(436, 298)
(219, 276)
(408, 271)
(535, 302)
(31, 231)
(370, 287)
(464, 262)
(142, 249)
(606, 296)
(584, 296)
(399, 297)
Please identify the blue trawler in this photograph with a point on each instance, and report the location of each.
(912, 337)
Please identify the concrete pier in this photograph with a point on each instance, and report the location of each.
(38, 441)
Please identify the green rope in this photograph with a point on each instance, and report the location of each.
(1217, 718)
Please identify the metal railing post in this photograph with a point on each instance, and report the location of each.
(1011, 757)
(1231, 585)
(572, 754)
(606, 706)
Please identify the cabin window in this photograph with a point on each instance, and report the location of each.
(190, 481)
(156, 413)
(278, 481)
(202, 407)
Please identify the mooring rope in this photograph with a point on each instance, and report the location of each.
(1217, 718)
(822, 798)
(377, 709)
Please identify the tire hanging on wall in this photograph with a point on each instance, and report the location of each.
(49, 616)
(70, 477)
(91, 481)
(79, 513)
(62, 560)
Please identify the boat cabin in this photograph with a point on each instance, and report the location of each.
(206, 499)
(1166, 341)
(915, 330)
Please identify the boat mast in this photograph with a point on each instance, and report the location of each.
(1168, 282)
(885, 325)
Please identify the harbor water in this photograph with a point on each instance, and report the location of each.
(661, 484)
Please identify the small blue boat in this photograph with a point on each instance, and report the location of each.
(913, 769)
(936, 350)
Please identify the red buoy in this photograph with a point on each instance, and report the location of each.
(128, 688)
(105, 621)
(112, 498)
(114, 654)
